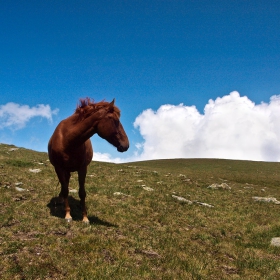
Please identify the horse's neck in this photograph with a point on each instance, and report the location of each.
(80, 131)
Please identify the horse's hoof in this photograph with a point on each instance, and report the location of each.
(68, 220)
(86, 221)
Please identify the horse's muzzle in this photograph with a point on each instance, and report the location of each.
(122, 148)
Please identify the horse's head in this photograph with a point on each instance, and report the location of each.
(111, 129)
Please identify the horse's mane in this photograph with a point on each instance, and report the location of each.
(87, 106)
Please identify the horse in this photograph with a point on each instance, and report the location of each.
(70, 148)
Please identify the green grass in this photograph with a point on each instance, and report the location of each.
(141, 234)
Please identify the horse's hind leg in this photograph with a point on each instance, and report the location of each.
(64, 177)
(82, 193)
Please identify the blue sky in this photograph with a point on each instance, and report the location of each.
(146, 54)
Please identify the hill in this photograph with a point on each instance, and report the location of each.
(163, 219)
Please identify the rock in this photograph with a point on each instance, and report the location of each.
(182, 199)
(19, 198)
(148, 189)
(205, 204)
(13, 149)
(118, 193)
(121, 194)
(223, 186)
(186, 180)
(266, 199)
(73, 191)
(19, 189)
(275, 241)
(36, 170)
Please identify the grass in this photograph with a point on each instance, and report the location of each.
(139, 234)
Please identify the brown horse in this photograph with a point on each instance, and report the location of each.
(70, 147)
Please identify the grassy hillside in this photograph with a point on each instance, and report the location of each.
(148, 220)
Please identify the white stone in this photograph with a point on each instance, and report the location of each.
(148, 189)
(19, 189)
(73, 191)
(36, 170)
(275, 241)
(205, 204)
(221, 186)
(120, 193)
(266, 199)
(182, 199)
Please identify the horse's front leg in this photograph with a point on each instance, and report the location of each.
(82, 192)
(64, 177)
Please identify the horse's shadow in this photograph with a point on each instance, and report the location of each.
(57, 210)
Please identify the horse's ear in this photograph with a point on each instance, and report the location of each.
(112, 103)
(111, 106)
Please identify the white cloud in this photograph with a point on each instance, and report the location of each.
(106, 158)
(231, 127)
(16, 116)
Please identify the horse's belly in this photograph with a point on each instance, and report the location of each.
(72, 161)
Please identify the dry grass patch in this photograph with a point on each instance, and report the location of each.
(139, 233)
